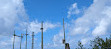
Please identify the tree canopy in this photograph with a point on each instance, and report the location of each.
(98, 43)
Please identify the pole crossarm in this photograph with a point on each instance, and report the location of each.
(14, 38)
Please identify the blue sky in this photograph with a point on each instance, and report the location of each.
(84, 20)
(53, 11)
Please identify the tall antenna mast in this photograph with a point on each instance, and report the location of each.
(21, 40)
(42, 35)
(26, 39)
(64, 41)
(14, 39)
(32, 40)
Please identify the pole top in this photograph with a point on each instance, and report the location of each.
(41, 25)
(32, 33)
(14, 33)
(22, 35)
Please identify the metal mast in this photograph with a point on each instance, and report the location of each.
(32, 40)
(42, 35)
(26, 39)
(21, 40)
(64, 40)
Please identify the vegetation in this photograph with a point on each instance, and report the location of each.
(80, 45)
(98, 43)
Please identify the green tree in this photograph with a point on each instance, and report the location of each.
(100, 43)
(80, 45)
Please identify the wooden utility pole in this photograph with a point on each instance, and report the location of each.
(14, 39)
(64, 31)
(21, 40)
(42, 35)
(26, 39)
(32, 40)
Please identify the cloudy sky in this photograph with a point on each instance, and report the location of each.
(84, 20)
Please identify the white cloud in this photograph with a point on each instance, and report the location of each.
(96, 19)
(7, 42)
(57, 40)
(101, 29)
(48, 25)
(11, 12)
(85, 41)
(73, 10)
(35, 26)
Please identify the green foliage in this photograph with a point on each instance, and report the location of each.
(99, 43)
(80, 45)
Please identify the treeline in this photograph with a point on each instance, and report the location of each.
(97, 43)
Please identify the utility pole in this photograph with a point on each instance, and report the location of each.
(42, 35)
(26, 39)
(14, 39)
(64, 32)
(32, 40)
(64, 40)
(21, 40)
